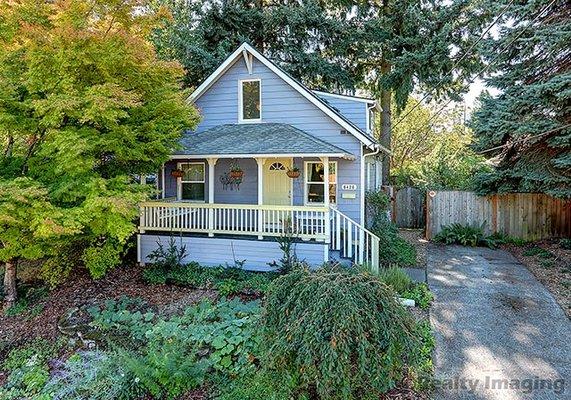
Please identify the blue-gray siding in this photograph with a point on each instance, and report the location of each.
(353, 110)
(282, 104)
(221, 251)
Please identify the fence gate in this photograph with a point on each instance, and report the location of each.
(409, 208)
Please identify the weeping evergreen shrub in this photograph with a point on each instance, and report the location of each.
(339, 333)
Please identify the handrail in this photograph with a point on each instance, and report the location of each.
(308, 223)
(354, 241)
(190, 204)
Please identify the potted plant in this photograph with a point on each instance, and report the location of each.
(236, 172)
(177, 173)
(293, 172)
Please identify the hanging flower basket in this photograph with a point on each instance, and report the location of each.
(236, 172)
(293, 172)
(177, 173)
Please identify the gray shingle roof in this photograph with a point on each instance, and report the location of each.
(262, 138)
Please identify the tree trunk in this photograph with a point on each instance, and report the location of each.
(386, 122)
(10, 295)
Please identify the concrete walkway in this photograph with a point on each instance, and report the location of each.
(499, 333)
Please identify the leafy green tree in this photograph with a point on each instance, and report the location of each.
(85, 104)
(526, 130)
(434, 155)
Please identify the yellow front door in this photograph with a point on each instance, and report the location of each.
(277, 185)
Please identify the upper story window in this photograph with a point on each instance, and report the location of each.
(250, 100)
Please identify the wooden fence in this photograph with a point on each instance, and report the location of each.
(529, 216)
(408, 208)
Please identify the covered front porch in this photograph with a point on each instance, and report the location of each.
(258, 182)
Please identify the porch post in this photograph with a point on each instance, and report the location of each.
(211, 222)
(327, 222)
(163, 183)
(260, 162)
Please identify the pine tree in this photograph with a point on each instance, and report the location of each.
(525, 130)
(388, 47)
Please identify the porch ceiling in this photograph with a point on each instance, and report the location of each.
(259, 139)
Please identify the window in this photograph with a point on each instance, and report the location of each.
(250, 100)
(277, 166)
(315, 183)
(192, 181)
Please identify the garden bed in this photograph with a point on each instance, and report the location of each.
(550, 262)
(142, 303)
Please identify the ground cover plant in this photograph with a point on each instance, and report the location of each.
(167, 267)
(403, 285)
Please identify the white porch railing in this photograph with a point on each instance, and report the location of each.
(354, 241)
(235, 219)
(324, 224)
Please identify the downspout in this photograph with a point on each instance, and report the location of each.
(363, 213)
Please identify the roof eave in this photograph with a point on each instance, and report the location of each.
(346, 156)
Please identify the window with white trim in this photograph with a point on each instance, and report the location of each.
(192, 182)
(315, 182)
(250, 100)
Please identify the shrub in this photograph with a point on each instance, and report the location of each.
(93, 375)
(465, 235)
(565, 244)
(395, 278)
(263, 384)
(168, 258)
(393, 249)
(227, 280)
(339, 333)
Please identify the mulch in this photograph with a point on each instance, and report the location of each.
(553, 272)
(81, 290)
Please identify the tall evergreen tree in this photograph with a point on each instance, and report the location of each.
(389, 47)
(526, 128)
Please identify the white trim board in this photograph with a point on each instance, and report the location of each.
(201, 156)
(308, 94)
(345, 97)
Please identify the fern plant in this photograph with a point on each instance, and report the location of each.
(466, 235)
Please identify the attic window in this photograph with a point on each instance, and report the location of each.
(250, 100)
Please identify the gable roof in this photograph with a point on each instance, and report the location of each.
(246, 51)
(258, 139)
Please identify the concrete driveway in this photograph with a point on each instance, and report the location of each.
(499, 333)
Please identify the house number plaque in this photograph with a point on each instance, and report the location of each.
(349, 186)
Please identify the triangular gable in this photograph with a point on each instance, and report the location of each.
(247, 51)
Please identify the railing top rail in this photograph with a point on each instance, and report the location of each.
(231, 206)
(354, 222)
